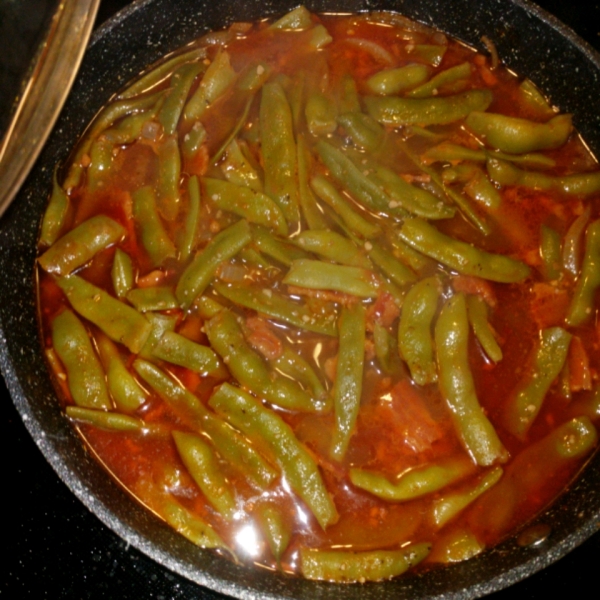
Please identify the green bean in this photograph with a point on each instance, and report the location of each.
(155, 238)
(517, 136)
(55, 214)
(201, 270)
(159, 324)
(582, 305)
(524, 404)
(179, 350)
(152, 298)
(416, 482)
(191, 224)
(446, 77)
(332, 246)
(193, 142)
(319, 37)
(347, 174)
(119, 321)
(241, 121)
(208, 307)
(397, 111)
(85, 376)
(327, 192)
(281, 250)
(578, 184)
(268, 430)
(297, 19)
(80, 245)
(477, 311)
(169, 174)
(113, 421)
(275, 527)
(191, 526)
(451, 504)
(348, 377)
(461, 256)
(414, 330)
(157, 74)
(227, 339)
(279, 151)
(311, 211)
(372, 565)
(320, 114)
(218, 77)
(201, 463)
(365, 132)
(456, 546)
(254, 76)
(415, 200)
(397, 272)
(475, 431)
(430, 53)
(573, 242)
(101, 158)
(407, 255)
(255, 207)
(181, 82)
(317, 275)
(130, 128)
(295, 366)
(238, 170)
(550, 251)
(394, 81)
(124, 389)
(279, 307)
(477, 185)
(230, 444)
(122, 273)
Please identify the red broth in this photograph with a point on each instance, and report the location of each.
(397, 406)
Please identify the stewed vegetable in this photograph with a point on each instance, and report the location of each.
(322, 292)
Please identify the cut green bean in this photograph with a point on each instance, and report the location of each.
(295, 366)
(582, 305)
(446, 77)
(426, 111)
(187, 241)
(474, 429)
(155, 238)
(237, 168)
(346, 566)
(119, 321)
(297, 19)
(80, 245)
(414, 483)
(550, 251)
(202, 269)
(415, 340)
(122, 273)
(113, 421)
(268, 430)
(365, 131)
(201, 463)
(332, 246)
(516, 135)
(169, 174)
(478, 318)
(461, 256)
(348, 378)
(573, 242)
(311, 211)
(55, 214)
(277, 248)
(152, 298)
(394, 81)
(275, 527)
(85, 376)
(320, 114)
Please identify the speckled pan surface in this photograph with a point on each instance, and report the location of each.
(562, 66)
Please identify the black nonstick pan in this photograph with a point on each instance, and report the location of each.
(86, 560)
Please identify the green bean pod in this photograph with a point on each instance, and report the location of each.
(124, 389)
(348, 378)
(200, 461)
(446, 77)
(169, 174)
(295, 366)
(122, 273)
(582, 305)
(478, 317)
(474, 429)
(311, 211)
(268, 430)
(112, 421)
(365, 131)
(461, 256)
(550, 252)
(525, 403)
(237, 168)
(392, 268)
(279, 307)
(390, 82)
(346, 566)
(413, 483)
(201, 270)
(415, 340)
(297, 19)
(55, 214)
(320, 114)
(85, 376)
(279, 151)
(155, 239)
(318, 275)
(80, 245)
(397, 111)
(516, 135)
(152, 298)
(255, 207)
(275, 527)
(332, 246)
(187, 241)
(119, 321)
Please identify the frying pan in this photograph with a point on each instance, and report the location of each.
(526, 39)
